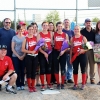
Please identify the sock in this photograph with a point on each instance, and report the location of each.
(62, 79)
(33, 82)
(9, 87)
(42, 79)
(75, 78)
(83, 79)
(57, 78)
(48, 78)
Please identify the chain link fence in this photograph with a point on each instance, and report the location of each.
(31, 10)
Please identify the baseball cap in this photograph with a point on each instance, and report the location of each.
(22, 23)
(87, 20)
(3, 47)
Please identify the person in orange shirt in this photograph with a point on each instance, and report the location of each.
(7, 73)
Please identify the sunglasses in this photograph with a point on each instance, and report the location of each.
(8, 22)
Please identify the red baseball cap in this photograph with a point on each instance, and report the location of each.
(22, 23)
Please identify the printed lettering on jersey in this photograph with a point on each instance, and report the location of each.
(47, 39)
(77, 43)
(59, 38)
(32, 43)
(6, 63)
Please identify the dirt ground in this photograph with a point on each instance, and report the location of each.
(91, 92)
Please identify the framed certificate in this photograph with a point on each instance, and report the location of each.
(96, 49)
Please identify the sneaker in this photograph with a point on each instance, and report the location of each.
(65, 82)
(34, 89)
(98, 83)
(62, 86)
(75, 87)
(38, 84)
(22, 88)
(42, 88)
(70, 81)
(50, 87)
(82, 87)
(30, 89)
(18, 88)
(7, 85)
(11, 90)
(58, 86)
(92, 81)
(0, 87)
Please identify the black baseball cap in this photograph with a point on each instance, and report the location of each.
(3, 47)
(87, 20)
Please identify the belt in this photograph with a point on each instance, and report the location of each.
(32, 55)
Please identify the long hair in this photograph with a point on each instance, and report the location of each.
(53, 26)
(97, 29)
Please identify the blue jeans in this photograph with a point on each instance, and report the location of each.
(19, 69)
(69, 68)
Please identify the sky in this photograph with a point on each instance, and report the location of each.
(59, 4)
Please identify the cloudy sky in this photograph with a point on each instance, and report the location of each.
(59, 4)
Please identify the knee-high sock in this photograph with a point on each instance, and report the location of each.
(42, 79)
(29, 82)
(62, 79)
(33, 82)
(75, 78)
(57, 78)
(48, 78)
(83, 79)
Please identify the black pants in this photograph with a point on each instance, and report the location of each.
(53, 80)
(45, 67)
(82, 60)
(31, 65)
(61, 61)
(19, 66)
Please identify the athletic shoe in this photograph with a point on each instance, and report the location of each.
(50, 87)
(75, 87)
(22, 88)
(58, 86)
(0, 87)
(11, 90)
(34, 89)
(18, 88)
(82, 88)
(38, 84)
(42, 88)
(62, 86)
(70, 81)
(30, 89)
(98, 83)
(92, 81)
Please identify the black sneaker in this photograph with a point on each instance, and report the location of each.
(92, 81)
(70, 81)
(58, 86)
(11, 91)
(62, 86)
(0, 87)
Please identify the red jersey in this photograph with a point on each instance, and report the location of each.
(59, 38)
(47, 38)
(5, 65)
(31, 43)
(77, 43)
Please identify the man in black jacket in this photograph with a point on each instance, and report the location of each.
(89, 33)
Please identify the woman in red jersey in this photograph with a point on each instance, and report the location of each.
(51, 29)
(45, 67)
(76, 44)
(59, 37)
(35, 28)
(28, 47)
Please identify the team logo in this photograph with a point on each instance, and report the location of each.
(32, 43)
(47, 39)
(59, 38)
(6, 63)
(77, 43)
